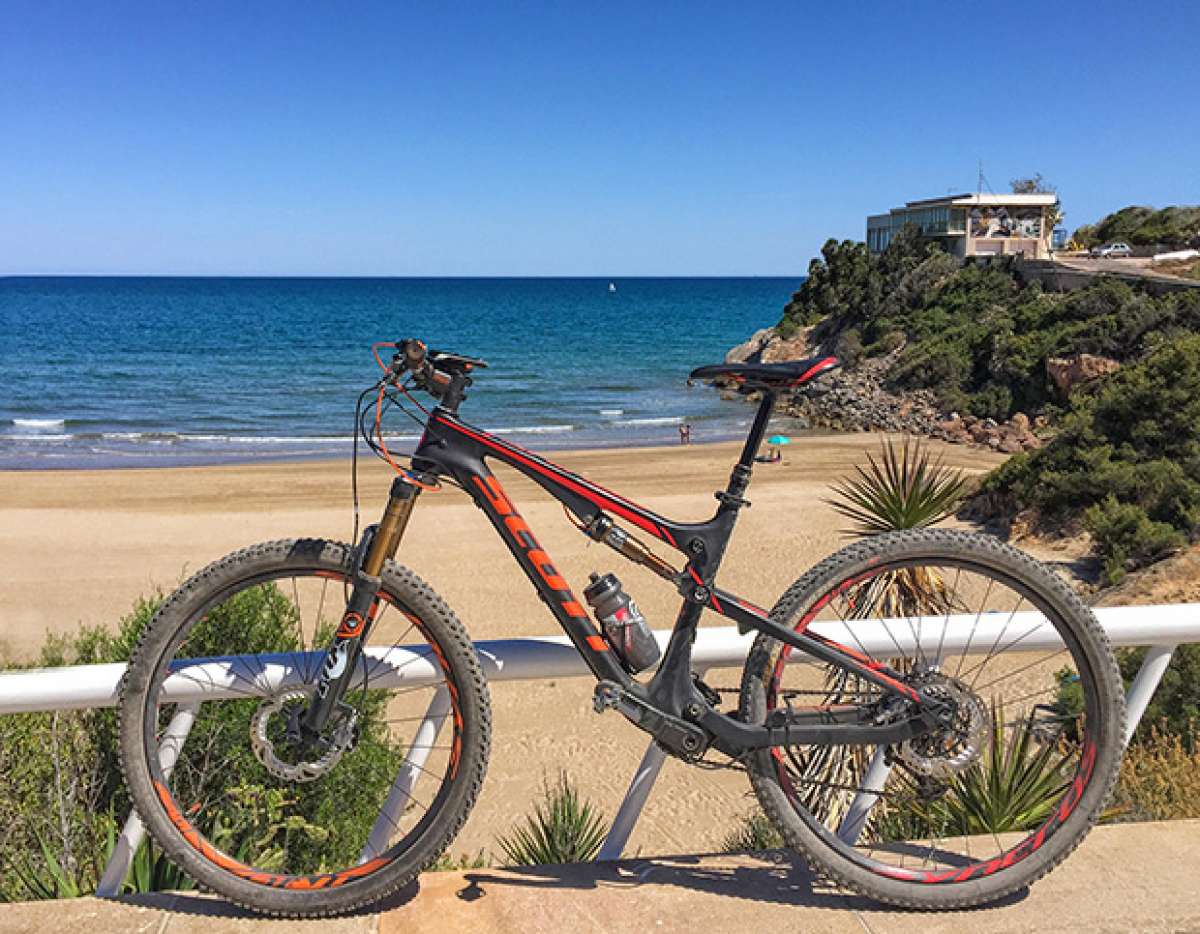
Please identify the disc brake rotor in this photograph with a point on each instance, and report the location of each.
(946, 751)
(290, 705)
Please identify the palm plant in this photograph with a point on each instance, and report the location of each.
(902, 490)
(754, 834)
(563, 828)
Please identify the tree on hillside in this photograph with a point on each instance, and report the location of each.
(1177, 226)
(1033, 185)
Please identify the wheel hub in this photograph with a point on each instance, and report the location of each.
(290, 706)
(947, 750)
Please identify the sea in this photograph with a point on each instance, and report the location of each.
(137, 372)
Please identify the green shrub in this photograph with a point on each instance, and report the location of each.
(1175, 707)
(563, 828)
(972, 333)
(1126, 459)
(1177, 225)
(62, 786)
(1127, 537)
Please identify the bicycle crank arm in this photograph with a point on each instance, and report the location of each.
(677, 736)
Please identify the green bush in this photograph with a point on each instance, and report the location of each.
(972, 333)
(1175, 707)
(1144, 226)
(1126, 459)
(1127, 537)
(62, 793)
(1173, 710)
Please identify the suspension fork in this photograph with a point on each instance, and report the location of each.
(377, 545)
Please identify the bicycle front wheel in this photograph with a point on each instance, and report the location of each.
(208, 747)
(980, 806)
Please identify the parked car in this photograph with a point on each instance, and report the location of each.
(1112, 251)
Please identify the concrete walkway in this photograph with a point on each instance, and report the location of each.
(1133, 877)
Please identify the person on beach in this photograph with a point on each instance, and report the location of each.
(685, 433)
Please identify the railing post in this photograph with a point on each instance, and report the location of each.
(634, 800)
(134, 832)
(410, 770)
(855, 820)
(1154, 666)
(631, 807)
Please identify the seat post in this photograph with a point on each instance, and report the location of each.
(766, 407)
(739, 478)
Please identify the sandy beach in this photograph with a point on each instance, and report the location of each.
(77, 547)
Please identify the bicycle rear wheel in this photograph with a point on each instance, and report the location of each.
(220, 674)
(968, 813)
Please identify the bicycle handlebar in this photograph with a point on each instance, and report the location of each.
(434, 370)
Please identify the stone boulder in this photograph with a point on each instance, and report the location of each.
(1068, 372)
(751, 349)
(766, 346)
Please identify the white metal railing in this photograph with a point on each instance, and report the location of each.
(1161, 628)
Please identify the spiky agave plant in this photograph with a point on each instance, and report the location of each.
(563, 828)
(904, 489)
(1015, 786)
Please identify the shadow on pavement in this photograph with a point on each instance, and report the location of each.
(776, 878)
(212, 906)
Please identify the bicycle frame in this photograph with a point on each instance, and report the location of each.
(674, 704)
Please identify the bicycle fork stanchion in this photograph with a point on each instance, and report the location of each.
(134, 831)
(1154, 666)
(410, 770)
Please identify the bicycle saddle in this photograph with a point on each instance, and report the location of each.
(772, 375)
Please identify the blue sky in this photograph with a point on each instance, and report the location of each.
(561, 138)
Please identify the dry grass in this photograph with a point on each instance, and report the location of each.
(1189, 269)
(1159, 780)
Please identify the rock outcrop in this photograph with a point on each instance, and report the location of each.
(1068, 372)
(766, 346)
(859, 399)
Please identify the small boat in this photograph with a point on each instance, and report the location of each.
(612, 286)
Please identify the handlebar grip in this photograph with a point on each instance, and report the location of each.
(416, 359)
(414, 353)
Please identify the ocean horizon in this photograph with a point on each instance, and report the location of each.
(161, 370)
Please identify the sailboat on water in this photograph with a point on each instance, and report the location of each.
(612, 286)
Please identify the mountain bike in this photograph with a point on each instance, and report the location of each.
(931, 718)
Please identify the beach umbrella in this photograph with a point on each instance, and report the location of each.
(779, 439)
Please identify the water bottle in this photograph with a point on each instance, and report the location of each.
(622, 623)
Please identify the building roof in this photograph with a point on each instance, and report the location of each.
(974, 198)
